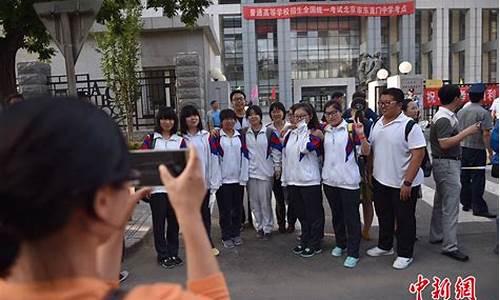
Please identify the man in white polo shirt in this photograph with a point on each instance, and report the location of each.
(398, 150)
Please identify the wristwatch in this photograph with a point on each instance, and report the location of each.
(407, 183)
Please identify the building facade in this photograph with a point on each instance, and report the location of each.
(309, 58)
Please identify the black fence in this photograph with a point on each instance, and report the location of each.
(157, 88)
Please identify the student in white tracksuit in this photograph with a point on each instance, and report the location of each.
(301, 174)
(164, 138)
(192, 131)
(264, 152)
(229, 174)
(341, 180)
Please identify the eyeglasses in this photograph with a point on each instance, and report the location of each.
(331, 113)
(300, 117)
(385, 103)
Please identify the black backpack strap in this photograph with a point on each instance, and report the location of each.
(408, 128)
(153, 141)
(116, 294)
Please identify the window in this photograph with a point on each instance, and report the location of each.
(232, 52)
(267, 60)
(324, 47)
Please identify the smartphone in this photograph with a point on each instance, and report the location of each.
(147, 162)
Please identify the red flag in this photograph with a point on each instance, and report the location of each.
(273, 94)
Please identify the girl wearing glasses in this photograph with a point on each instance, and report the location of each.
(341, 178)
(301, 175)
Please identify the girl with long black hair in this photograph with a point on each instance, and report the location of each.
(164, 137)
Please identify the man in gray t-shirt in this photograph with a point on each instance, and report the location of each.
(473, 175)
(445, 141)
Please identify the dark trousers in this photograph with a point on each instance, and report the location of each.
(473, 181)
(308, 203)
(291, 215)
(390, 207)
(230, 203)
(207, 217)
(282, 215)
(344, 204)
(161, 209)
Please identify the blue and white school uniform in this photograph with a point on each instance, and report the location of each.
(341, 183)
(301, 174)
(264, 160)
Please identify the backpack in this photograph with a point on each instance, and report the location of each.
(426, 164)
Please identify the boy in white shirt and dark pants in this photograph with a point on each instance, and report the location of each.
(397, 156)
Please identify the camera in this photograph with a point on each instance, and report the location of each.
(147, 162)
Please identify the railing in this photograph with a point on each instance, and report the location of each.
(157, 88)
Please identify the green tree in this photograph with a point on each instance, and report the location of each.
(120, 49)
(20, 28)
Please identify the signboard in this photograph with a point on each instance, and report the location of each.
(251, 12)
(431, 97)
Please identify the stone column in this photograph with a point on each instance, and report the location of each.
(284, 63)
(33, 78)
(441, 40)
(407, 40)
(473, 45)
(190, 81)
(249, 52)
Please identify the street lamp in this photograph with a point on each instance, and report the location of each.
(382, 74)
(405, 67)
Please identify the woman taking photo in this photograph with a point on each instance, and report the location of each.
(164, 137)
(66, 230)
(193, 133)
(264, 164)
(301, 175)
(341, 180)
(229, 164)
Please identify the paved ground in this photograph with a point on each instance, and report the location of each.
(268, 269)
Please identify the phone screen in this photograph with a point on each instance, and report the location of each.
(147, 162)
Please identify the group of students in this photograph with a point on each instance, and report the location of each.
(298, 160)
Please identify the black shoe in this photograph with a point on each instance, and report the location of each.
(465, 208)
(167, 263)
(177, 260)
(436, 242)
(282, 229)
(457, 255)
(260, 234)
(310, 252)
(298, 250)
(266, 236)
(485, 214)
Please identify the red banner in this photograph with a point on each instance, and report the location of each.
(328, 10)
(431, 97)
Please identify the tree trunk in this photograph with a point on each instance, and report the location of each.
(7, 71)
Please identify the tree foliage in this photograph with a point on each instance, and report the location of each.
(23, 29)
(120, 49)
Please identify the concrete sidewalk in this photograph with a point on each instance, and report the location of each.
(139, 227)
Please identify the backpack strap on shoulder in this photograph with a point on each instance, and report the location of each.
(408, 128)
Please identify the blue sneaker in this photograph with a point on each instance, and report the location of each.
(337, 251)
(350, 262)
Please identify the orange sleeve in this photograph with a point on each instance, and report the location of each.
(210, 288)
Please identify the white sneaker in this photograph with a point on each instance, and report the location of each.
(376, 251)
(402, 263)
